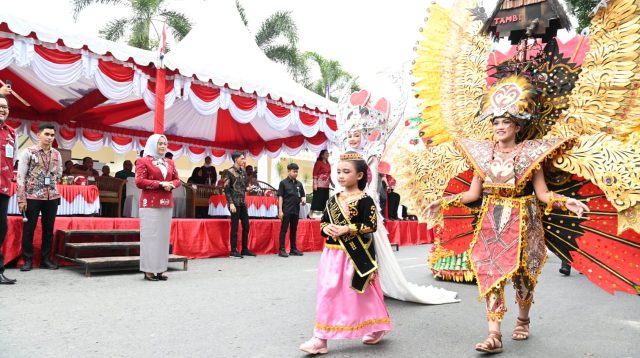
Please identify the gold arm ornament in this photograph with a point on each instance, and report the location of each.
(452, 201)
(559, 202)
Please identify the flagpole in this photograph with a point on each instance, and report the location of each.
(158, 126)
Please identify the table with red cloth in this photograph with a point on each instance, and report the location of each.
(408, 232)
(197, 238)
(257, 206)
(208, 238)
(74, 200)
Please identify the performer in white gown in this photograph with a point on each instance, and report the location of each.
(364, 127)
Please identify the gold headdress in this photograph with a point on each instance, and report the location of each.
(351, 156)
(511, 97)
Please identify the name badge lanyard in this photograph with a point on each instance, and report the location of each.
(48, 173)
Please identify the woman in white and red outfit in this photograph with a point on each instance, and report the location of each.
(321, 181)
(157, 177)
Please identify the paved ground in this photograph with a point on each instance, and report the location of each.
(264, 307)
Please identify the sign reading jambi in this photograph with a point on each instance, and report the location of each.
(507, 19)
(514, 19)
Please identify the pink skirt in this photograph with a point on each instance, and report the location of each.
(342, 312)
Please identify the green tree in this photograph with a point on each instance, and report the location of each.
(138, 26)
(277, 37)
(581, 10)
(243, 13)
(333, 77)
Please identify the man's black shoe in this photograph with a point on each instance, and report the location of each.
(235, 255)
(247, 253)
(295, 252)
(26, 266)
(46, 264)
(5, 280)
(565, 269)
(283, 253)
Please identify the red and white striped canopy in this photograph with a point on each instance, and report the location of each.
(101, 93)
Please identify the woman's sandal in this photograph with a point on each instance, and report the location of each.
(150, 276)
(521, 331)
(490, 345)
(162, 277)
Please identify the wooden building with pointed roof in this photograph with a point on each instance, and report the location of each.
(518, 19)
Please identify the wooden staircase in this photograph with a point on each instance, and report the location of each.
(72, 251)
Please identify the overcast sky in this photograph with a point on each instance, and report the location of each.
(365, 36)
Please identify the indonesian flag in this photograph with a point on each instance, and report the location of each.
(163, 40)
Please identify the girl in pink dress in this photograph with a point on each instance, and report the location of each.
(350, 303)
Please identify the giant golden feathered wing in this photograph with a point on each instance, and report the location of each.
(605, 98)
(423, 176)
(450, 71)
(604, 110)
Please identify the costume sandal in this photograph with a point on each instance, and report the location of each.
(521, 331)
(493, 343)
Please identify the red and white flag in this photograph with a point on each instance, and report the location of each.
(163, 40)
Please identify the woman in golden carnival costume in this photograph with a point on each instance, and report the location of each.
(545, 123)
(508, 240)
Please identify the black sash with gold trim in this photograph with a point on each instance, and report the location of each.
(362, 257)
(359, 248)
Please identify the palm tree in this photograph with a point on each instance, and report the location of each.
(581, 10)
(278, 39)
(333, 77)
(242, 12)
(280, 26)
(139, 24)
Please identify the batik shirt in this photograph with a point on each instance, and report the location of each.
(235, 186)
(36, 164)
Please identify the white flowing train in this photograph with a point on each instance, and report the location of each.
(394, 283)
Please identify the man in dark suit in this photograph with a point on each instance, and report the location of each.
(208, 172)
(393, 202)
(393, 199)
(290, 196)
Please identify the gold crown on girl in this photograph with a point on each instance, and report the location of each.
(351, 156)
